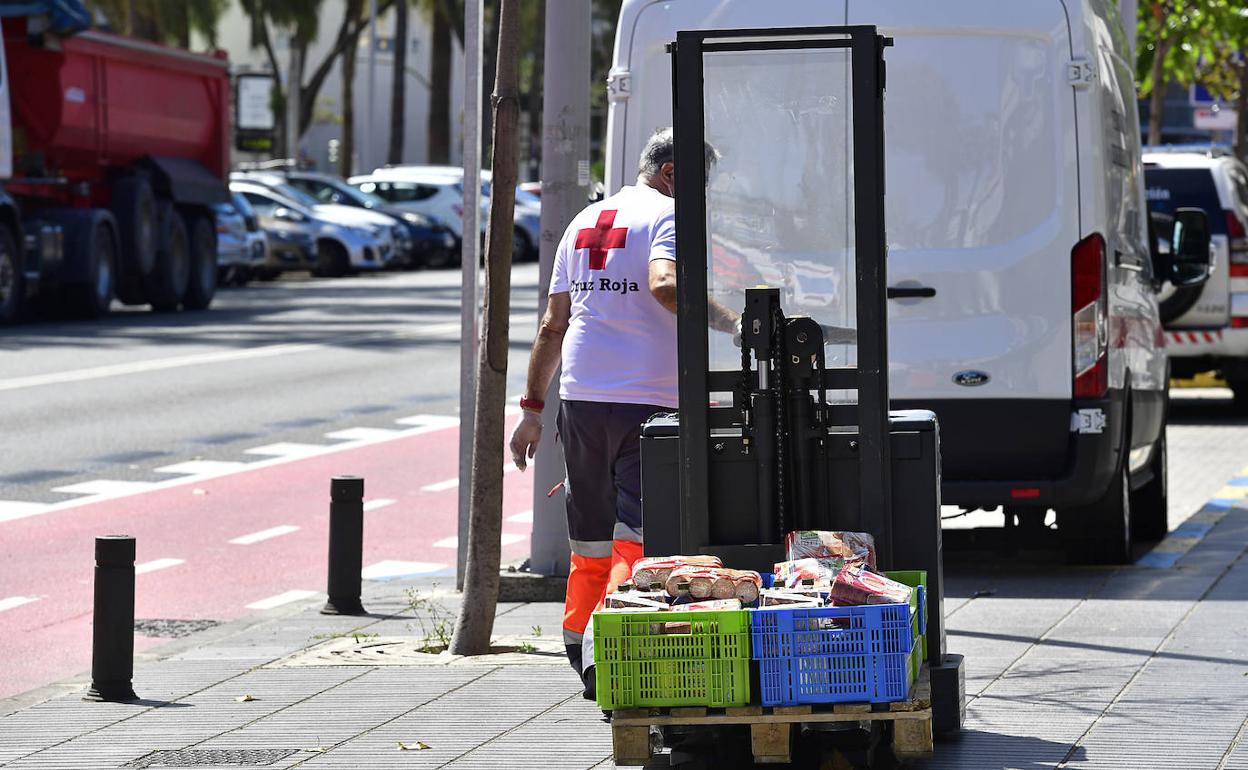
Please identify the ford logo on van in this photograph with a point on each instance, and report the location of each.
(971, 378)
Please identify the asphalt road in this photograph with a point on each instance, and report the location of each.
(283, 362)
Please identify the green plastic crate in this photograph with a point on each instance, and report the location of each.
(641, 661)
(913, 578)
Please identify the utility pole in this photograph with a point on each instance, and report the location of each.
(565, 191)
(366, 152)
(474, 38)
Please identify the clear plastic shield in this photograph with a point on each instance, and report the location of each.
(780, 197)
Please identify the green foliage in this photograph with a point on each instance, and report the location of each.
(1183, 32)
(164, 21)
(436, 622)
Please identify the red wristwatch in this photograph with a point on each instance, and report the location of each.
(532, 404)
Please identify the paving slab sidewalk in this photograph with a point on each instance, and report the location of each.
(1130, 668)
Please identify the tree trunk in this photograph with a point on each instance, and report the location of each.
(439, 128)
(279, 109)
(1241, 105)
(1158, 97)
(485, 524)
(346, 153)
(398, 85)
(489, 65)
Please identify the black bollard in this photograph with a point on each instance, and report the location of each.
(346, 545)
(112, 643)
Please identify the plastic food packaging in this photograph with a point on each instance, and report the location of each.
(714, 583)
(856, 585)
(816, 544)
(657, 569)
(636, 600)
(777, 597)
(820, 572)
(713, 604)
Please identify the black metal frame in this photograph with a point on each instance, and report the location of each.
(870, 377)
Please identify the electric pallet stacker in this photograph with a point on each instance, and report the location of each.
(779, 442)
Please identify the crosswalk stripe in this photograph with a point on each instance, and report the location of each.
(265, 534)
(155, 564)
(508, 538)
(12, 602)
(106, 487)
(11, 510)
(283, 598)
(381, 502)
(388, 570)
(200, 467)
(286, 449)
(524, 517)
(362, 434)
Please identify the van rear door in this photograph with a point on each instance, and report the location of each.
(982, 212)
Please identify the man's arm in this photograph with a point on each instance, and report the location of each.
(663, 287)
(543, 362)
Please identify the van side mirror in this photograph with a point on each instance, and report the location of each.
(1189, 248)
(287, 215)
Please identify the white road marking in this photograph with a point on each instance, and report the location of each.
(108, 487)
(202, 467)
(453, 541)
(197, 359)
(152, 566)
(286, 449)
(429, 420)
(265, 534)
(442, 486)
(16, 601)
(11, 510)
(388, 570)
(524, 517)
(280, 599)
(16, 509)
(381, 502)
(361, 434)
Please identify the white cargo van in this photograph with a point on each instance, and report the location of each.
(1023, 308)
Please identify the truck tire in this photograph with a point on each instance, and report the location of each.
(138, 218)
(1100, 533)
(166, 286)
(92, 297)
(1150, 503)
(332, 259)
(202, 283)
(12, 285)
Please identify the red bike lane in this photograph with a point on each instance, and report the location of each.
(184, 533)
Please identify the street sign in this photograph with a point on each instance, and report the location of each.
(254, 119)
(1215, 118)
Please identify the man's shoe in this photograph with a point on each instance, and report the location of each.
(590, 678)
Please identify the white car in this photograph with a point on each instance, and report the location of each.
(438, 191)
(384, 228)
(332, 249)
(1207, 326)
(1022, 306)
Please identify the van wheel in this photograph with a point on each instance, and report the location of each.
(1240, 389)
(11, 284)
(202, 281)
(1100, 533)
(166, 287)
(1150, 503)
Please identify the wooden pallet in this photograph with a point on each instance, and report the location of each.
(771, 727)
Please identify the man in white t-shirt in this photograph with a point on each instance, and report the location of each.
(611, 323)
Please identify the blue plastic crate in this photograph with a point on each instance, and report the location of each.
(836, 654)
(778, 632)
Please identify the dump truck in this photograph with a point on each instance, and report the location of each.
(112, 154)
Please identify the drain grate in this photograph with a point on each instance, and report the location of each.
(172, 629)
(211, 758)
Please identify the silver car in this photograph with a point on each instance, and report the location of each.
(302, 239)
(242, 247)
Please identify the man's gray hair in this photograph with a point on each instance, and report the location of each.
(661, 148)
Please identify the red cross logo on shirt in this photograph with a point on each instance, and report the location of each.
(601, 238)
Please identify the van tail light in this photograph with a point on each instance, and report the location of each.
(1088, 307)
(1239, 241)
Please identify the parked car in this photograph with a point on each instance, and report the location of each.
(439, 192)
(1207, 325)
(300, 238)
(1025, 311)
(429, 243)
(241, 245)
(386, 230)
